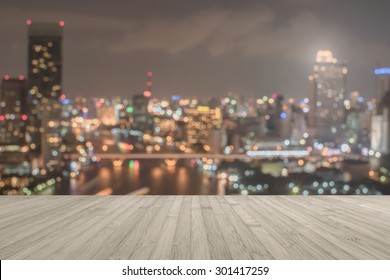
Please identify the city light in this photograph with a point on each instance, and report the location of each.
(117, 163)
(296, 153)
(382, 71)
(242, 141)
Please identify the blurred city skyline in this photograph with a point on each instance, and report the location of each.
(251, 48)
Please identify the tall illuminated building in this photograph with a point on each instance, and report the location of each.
(44, 68)
(382, 81)
(13, 118)
(380, 139)
(142, 119)
(14, 166)
(202, 126)
(328, 90)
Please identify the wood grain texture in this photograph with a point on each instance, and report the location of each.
(195, 227)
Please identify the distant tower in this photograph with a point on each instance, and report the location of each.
(382, 81)
(45, 59)
(44, 68)
(148, 90)
(380, 134)
(13, 117)
(142, 119)
(14, 166)
(328, 85)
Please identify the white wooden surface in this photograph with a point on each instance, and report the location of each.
(195, 227)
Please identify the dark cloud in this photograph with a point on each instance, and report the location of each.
(202, 47)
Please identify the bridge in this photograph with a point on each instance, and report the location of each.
(248, 156)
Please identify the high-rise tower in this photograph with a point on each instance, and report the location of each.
(328, 85)
(14, 165)
(44, 70)
(13, 117)
(45, 59)
(382, 81)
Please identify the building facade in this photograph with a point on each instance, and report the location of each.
(382, 81)
(142, 119)
(14, 162)
(328, 84)
(44, 90)
(380, 140)
(13, 118)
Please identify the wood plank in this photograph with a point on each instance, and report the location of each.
(378, 222)
(23, 226)
(181, 246)
(7, 201)
(254, 245)
(199, 244)
(72, 238)
(283, 231)
(117, 238)
(165, 242)
(318, 239)
(29, 207)
(100, 229)
(333, 231)
(133, 237)
(276, 250)
(361, 211)
(195, 227)
(361, 228)
(43, 229)
(148, 243)
(237, 247)
(218, 248)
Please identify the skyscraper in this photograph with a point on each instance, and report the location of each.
(14, 166)
(13, 116)
(142, 119)
(45, 59)
(380, 137)
(382, 81)
(328, 86)
(44, 89)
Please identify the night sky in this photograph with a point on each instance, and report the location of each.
(202, 47)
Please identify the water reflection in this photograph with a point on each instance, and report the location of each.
(209, 177)
(73, 187)
(157, 179)
(182, 181)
